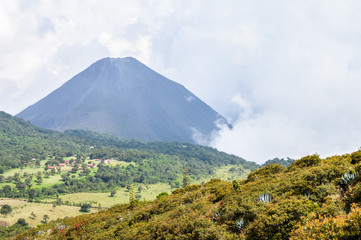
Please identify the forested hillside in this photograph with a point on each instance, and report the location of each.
(23, 145)
(21, 141)
(313, 198)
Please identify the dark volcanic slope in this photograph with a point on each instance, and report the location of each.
(123, 97)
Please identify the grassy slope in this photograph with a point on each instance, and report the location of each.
(23, 209)
(20, 142)
(148, 192)
(226, 210)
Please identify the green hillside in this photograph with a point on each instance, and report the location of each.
(20, 142)
(29, 151)
(311, 199)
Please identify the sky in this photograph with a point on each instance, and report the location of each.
(287, 74)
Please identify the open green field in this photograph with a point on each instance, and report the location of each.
(23, 209)
(29, 169)
(148, 192)
(227, 173)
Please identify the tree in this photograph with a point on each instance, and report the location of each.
(132, 198)
(162, 194)
(32, 194)
(32, 215)
(28, 182)
(85, 207)
(112, 193)
(6, 209)
(59, 201)
(75, 168)
(39, 179)
(236, 185)
(186, 180)
(22, 222)
(45, 219)
(21, 186)
(86, 170)
(6, 190)
(16, 177)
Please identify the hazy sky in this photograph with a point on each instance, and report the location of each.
(286, 73)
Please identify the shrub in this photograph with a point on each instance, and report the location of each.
(162, 195)
(278, 219)
(307, 161)
(356, 157)
(85, 207)
(343, 226)
(236, 185)
(267, 171)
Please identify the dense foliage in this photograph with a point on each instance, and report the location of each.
(9, 231)
(24, 145)
(282, 161)
(20, 142)
(311, 199)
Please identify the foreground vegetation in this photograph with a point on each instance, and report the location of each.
(310, 199)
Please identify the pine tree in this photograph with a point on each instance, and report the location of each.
(186, 180)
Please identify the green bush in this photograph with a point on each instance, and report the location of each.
(268, 171)
(307, 161)
(356, 157)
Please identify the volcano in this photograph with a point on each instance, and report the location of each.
(125, 98)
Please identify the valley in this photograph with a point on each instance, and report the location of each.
(312, 198)
(70, 203)
(80, 184)
(46, 175)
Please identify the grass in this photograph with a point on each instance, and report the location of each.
(56, 178)
(148, 192)
(28, 169)
(228, 173)
(23, 209)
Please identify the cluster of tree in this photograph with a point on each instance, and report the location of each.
(186, 151)
(313, 198)
(7, 231)
(23, 144)
(282, 161)
(145, 167)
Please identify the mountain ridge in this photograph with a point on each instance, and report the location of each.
(123, 97)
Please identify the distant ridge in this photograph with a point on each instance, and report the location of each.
(123, 97)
